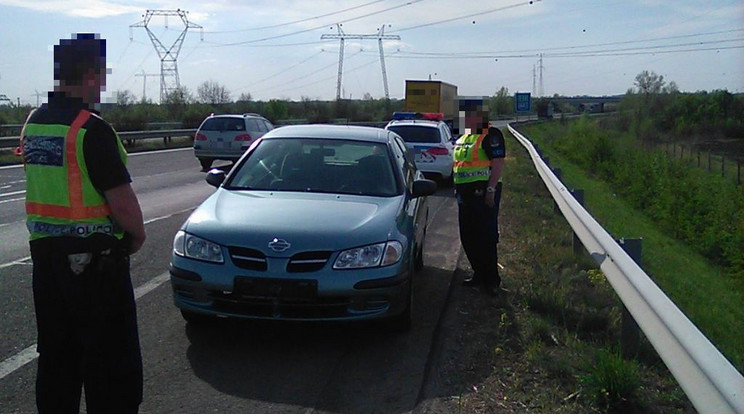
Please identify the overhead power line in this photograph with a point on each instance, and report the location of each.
(274, 26)
(351, 19)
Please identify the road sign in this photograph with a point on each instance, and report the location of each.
(522, 101)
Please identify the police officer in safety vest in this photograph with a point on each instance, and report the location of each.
(84, 221)
(478, 163)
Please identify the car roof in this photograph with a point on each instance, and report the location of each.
(416, 122)
(247, 115)
(324, 131)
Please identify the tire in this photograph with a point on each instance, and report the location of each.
(402, 323)
(418, 263)
(206, 163)
(195, 318)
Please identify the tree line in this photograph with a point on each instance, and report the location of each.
(658, 110)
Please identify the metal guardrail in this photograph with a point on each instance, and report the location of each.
(12, 142)
(710, 381)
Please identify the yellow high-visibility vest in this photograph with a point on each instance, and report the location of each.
(471, 163)
(60, 197)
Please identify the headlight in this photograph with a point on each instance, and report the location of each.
(380, 254)
(188, 245)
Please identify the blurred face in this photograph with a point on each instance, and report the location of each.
(475, 120)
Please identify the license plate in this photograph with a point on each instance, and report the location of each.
(276, 288)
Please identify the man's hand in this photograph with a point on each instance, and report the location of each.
(490, 199)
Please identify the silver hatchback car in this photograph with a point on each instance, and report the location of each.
(226, 137)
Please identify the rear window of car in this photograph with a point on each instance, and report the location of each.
(417, 134)
(223, 124)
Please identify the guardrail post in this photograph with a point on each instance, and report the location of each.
(578, 247)
(630, 336)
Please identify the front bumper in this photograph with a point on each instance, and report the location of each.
(228, 291)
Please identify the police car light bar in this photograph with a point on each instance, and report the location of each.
(398, 116)
(432, 116)
(429, 116)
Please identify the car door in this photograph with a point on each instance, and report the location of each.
(416, 208)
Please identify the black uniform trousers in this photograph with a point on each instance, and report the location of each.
(87, 327)
(479, 232)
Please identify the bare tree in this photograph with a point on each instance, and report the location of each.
(213, 93)
(125, 98)
(649, 83)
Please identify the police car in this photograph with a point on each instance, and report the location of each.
(428, 139)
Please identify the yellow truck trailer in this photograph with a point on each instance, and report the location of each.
(431, 96)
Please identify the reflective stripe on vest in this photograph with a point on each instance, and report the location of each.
(471, 163)
(60, 199)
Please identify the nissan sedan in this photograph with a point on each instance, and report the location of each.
(314, 222)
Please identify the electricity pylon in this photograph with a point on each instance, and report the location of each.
(380, 36)
(144, 83)
(169, 80)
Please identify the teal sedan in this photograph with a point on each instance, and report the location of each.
(314, 222)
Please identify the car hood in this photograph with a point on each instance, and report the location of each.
(307, 221)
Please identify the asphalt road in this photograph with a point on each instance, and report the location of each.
(230, 366)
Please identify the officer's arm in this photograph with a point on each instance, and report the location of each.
(497, 165)
(126, 211)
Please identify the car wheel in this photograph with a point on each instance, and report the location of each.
(206, 163)
(402, 322)
(194, 318)
(418, 263)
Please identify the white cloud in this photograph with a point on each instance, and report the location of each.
(75, 8)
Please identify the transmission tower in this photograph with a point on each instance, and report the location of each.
(144, 83)
(541, 91)
(380, 36)
(169, 80)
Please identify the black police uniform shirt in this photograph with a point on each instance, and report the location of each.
(100, 146)
(494, 146)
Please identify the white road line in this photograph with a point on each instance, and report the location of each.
(7, 167)
(18, 360)
(134, 154)
(13, 193)
(25, 260)
(29, 354)
(12, 199)
(16, 262)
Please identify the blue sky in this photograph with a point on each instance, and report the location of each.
(273, 49)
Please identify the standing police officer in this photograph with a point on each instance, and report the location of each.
(479, 161)
(84, 220)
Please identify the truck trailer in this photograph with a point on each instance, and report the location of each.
(431, 96)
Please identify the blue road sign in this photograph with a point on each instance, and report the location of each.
(522, 101)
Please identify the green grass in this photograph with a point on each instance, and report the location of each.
(712, 301)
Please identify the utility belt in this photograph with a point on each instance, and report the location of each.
(96, 244)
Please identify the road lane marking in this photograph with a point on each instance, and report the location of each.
(13, 193)
(18, 360)
(29, 354)
(12, 199)
(23, 261)
(134, 154)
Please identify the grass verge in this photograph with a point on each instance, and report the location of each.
(548, 345)
(713, 301)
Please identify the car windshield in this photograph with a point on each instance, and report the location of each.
(223, 124)
(317, 165)
(417, 134)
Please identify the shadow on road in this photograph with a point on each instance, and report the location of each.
(339, 367)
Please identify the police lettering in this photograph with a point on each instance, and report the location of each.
(75, 230)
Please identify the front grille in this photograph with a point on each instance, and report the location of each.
(245, 258)
(307, 262)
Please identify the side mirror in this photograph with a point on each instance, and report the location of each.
(424, 187)
(215, 177)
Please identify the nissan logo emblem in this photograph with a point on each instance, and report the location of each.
(279, 245)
